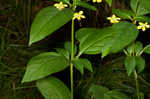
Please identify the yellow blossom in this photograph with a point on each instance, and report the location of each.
(60, 6)
(143, 26)
(114, 19)
(98, 1)
(78, 15)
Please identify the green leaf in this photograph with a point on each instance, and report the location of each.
(133, 5)
(105, 50)
(92, 40)
(100, 92)
(141, 10)
(140, 62)
(87, 64)
(142, 18)
(67, 46)
(130, 64)
(125, 34)
(147, 49)
(130, 49)
(122, 35)
(53, 88)
(125, 14)
(138, 47)
(109, 2)
(43, 65)
(47, 21)
(145, 4)
(63, 52)
(78, 65)
(82, 63)
(97, 91)
(85, 5)
(65, 1)
(135, 48)
(116, 95)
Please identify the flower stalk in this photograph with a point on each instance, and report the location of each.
(72, 57)
(137, 85)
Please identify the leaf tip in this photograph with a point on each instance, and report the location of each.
(23, 81)
(30, 43)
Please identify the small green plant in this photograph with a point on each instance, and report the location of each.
(134, 61)
(112, 39)
(100, 92)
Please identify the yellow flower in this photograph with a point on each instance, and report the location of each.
(143, 26)
(114, 19)
(78, 15)
(60, 6)
(98, 1)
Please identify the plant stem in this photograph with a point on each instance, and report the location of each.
(137, 85)
(137, 1)
(72, 57)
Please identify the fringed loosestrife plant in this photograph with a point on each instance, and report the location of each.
(92, 41)
(143, 26)
(60, 6)
(114, 19)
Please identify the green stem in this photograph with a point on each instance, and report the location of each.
(72, 57)
(137, 85)
(137, 1)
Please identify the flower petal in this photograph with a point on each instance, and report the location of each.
(147, 26)
(81, 12)
(141, 23)
(94, 0)
(139, 27)
(99, 1)
(143, 28)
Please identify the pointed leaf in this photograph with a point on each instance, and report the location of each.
(87, 64)
(125, 34)
(116, 95)
(142, 18)
(125, 14)
(47, 21)
(141, 10)
(92, 40)
(140, 62)
(130, 64)
(78, 65)
(145, 4)
(138, 47)
(147, 49)
(85, 5)
(130, 48)
(133, 5)
(135, 48)
(109, 2)
(82, 63)
(53, 88)
(43, 65)
(106, 49)
(97, 91)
